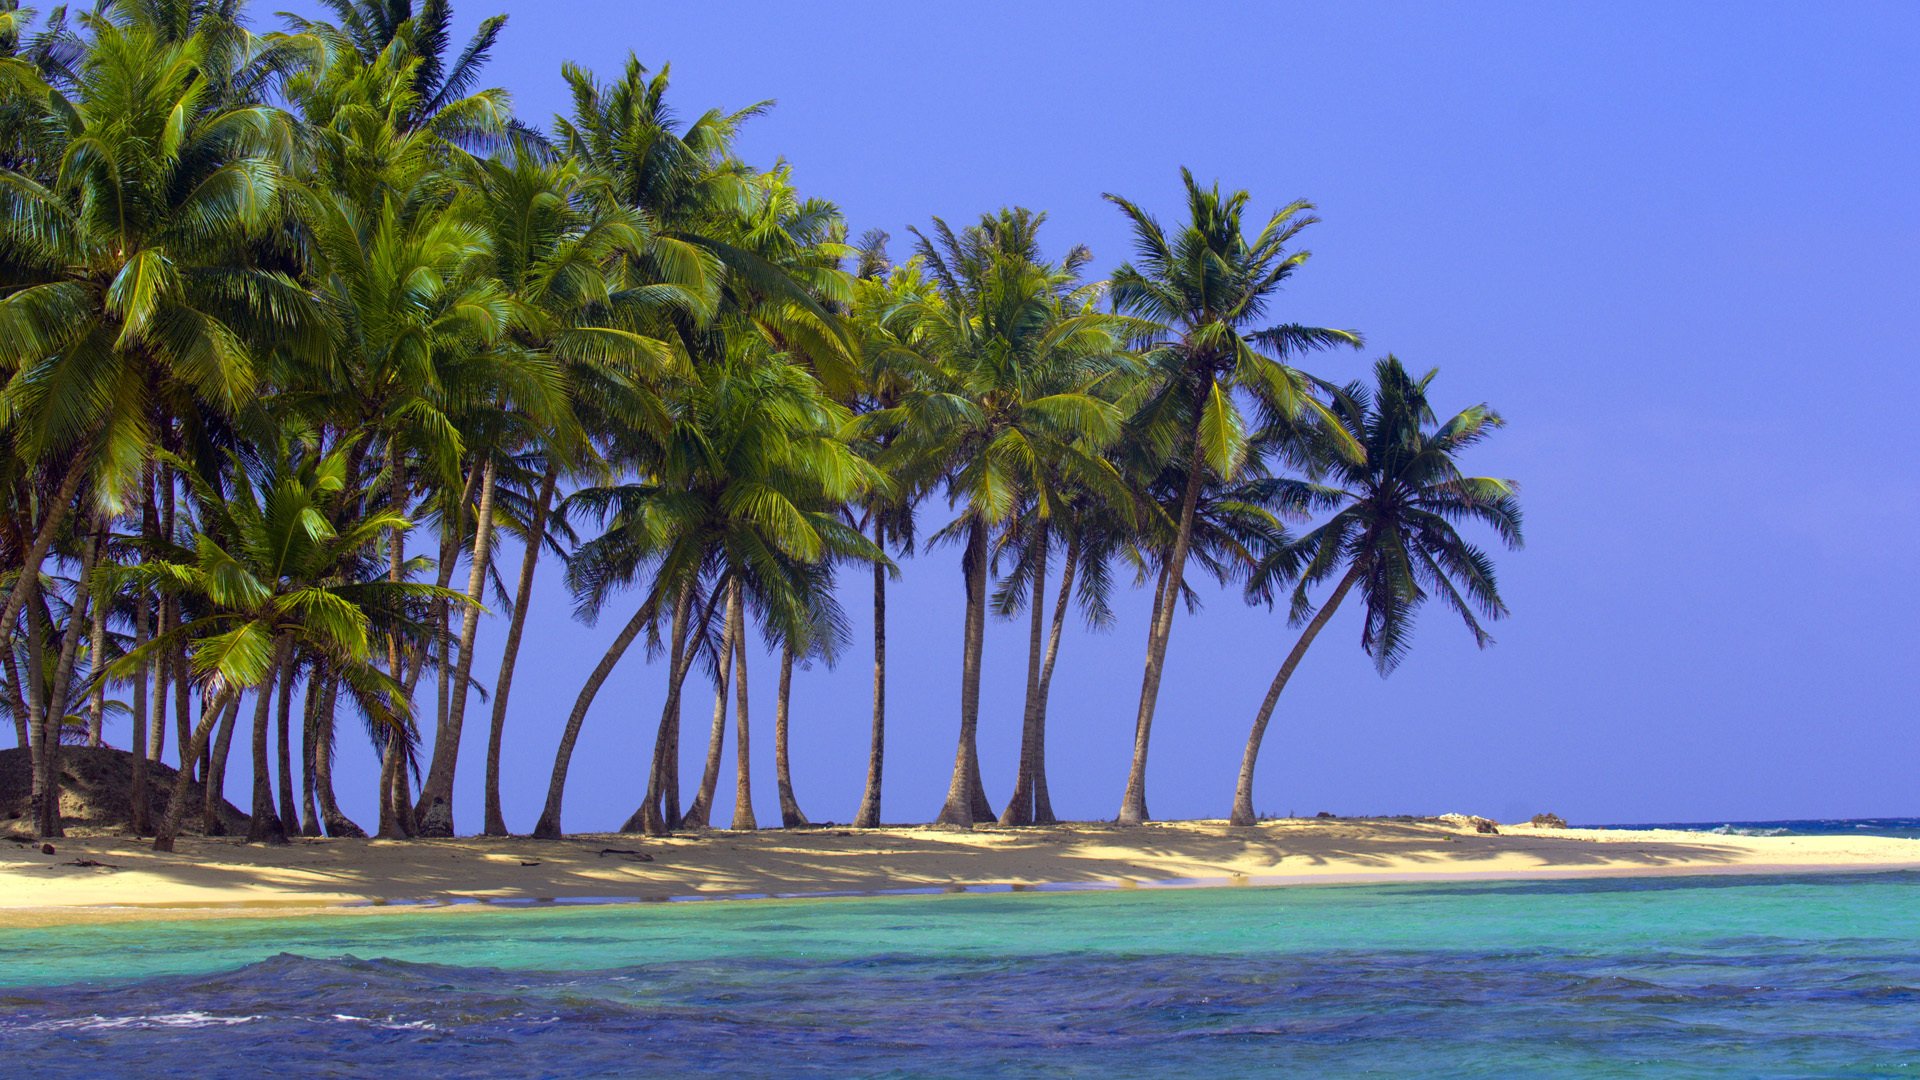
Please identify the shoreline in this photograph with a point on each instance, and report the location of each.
(110, 878)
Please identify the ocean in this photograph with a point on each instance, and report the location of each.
(1682, 976)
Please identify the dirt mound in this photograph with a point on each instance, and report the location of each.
(94, 786)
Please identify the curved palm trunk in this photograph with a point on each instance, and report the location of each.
(496, 823)
(391, 754)
(700, 812)
(61, 504)
(965, 797)
(548, 827)
(1133, 804)
(742, 775)
(435, 812)
(658, 812)
(163, 837)
(1042, 802)
(59, 697)
(869, 814)
(214, 778)
(1019, 809)
(266, 824)
(1031, 805)
(1243, 787)
(791, 816)
(289, 815)
(332, 819)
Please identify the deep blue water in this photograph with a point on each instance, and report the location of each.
(1811, 975)
(1905, 827)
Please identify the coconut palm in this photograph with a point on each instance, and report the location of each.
(1204, 291)
(734, 496)
(1391, 534)
(275, 578)
(440, 93)
(128, 295)
(568, 259)
(1013, 406)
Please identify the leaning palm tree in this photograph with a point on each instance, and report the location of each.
(1204, 291)
(278, 580)
(1392, 532)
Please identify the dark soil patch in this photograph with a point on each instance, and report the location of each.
(95, 784)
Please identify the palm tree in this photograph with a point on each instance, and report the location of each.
(127, 295)
(1202, 292)
(275, 578)
(734, 495)
(882, 321)
(1391, 534)
(440, 94)
(1021, 353)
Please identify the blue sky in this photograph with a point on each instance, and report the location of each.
(1674, 244)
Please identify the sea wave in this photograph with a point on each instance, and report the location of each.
(1747, 830)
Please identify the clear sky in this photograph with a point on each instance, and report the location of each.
(1674, 244)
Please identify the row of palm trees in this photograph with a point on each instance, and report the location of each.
(296, 325)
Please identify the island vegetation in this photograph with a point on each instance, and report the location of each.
(298, 326)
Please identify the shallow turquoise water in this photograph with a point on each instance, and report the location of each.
(1673, 976)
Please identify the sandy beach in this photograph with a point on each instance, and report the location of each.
(112, 878)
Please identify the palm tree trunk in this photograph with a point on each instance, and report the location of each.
(57, 509)
(289, 815)
(496, 822)
(214, 778)
(182, 675)
(1019, 809)
(37, 629)
(60, 697)
(700, 812)
(435, 811)
(869, 814)
(1133, 804)
(162, 682)
(963, 792)
(548, 827)
(266, 824)
(309, 729)
(331, 819)
(177, 804)
(141, 817)
(97, 665)
(658, 815)
(1042, 802)
(791, 816)
(391, 754)
(742, 774)
(1243, 787)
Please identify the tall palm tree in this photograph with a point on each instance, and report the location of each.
(1203, 293)
(882, 321)
(734, 494)
(1392, 532)
(129, 293)
(569, 260)
(1021, 352)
